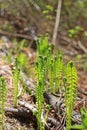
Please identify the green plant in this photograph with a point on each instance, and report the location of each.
(2, 101)
(9, 56)
(51, 68)
(84, 118)
(42, 65)
(55, 69)
(40, 68)
(75, 31)
(58, 71)
(48, 68)
(16, 76)
(48, 107)
(22, 59)
(42, 45)
(48, 12)
(83, 126)
(51, 74)
(70, 91)
(18, 46)
(53, 64)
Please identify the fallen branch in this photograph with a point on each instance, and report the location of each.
(28, 114)
(59, 125)
(17, 35)
(54, 101)
(32, 109)
(18, 112)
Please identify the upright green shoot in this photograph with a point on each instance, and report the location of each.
(42, 45)
(2, 101)
(16, 76)
(40, 69)
(22, 60)
(70, 92)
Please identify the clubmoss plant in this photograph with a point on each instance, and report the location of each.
(70, 92)
(53, 65)
(40, 69)
(50, 67)
(46, 69)
(16, 76)
(2, 102)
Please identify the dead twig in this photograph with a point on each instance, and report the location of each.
(27, 105)
(17, 35)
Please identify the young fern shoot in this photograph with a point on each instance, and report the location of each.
(70, 92)
(2, 101)
(16, 76)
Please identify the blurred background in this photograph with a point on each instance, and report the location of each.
(28, 19)
(35, 17)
